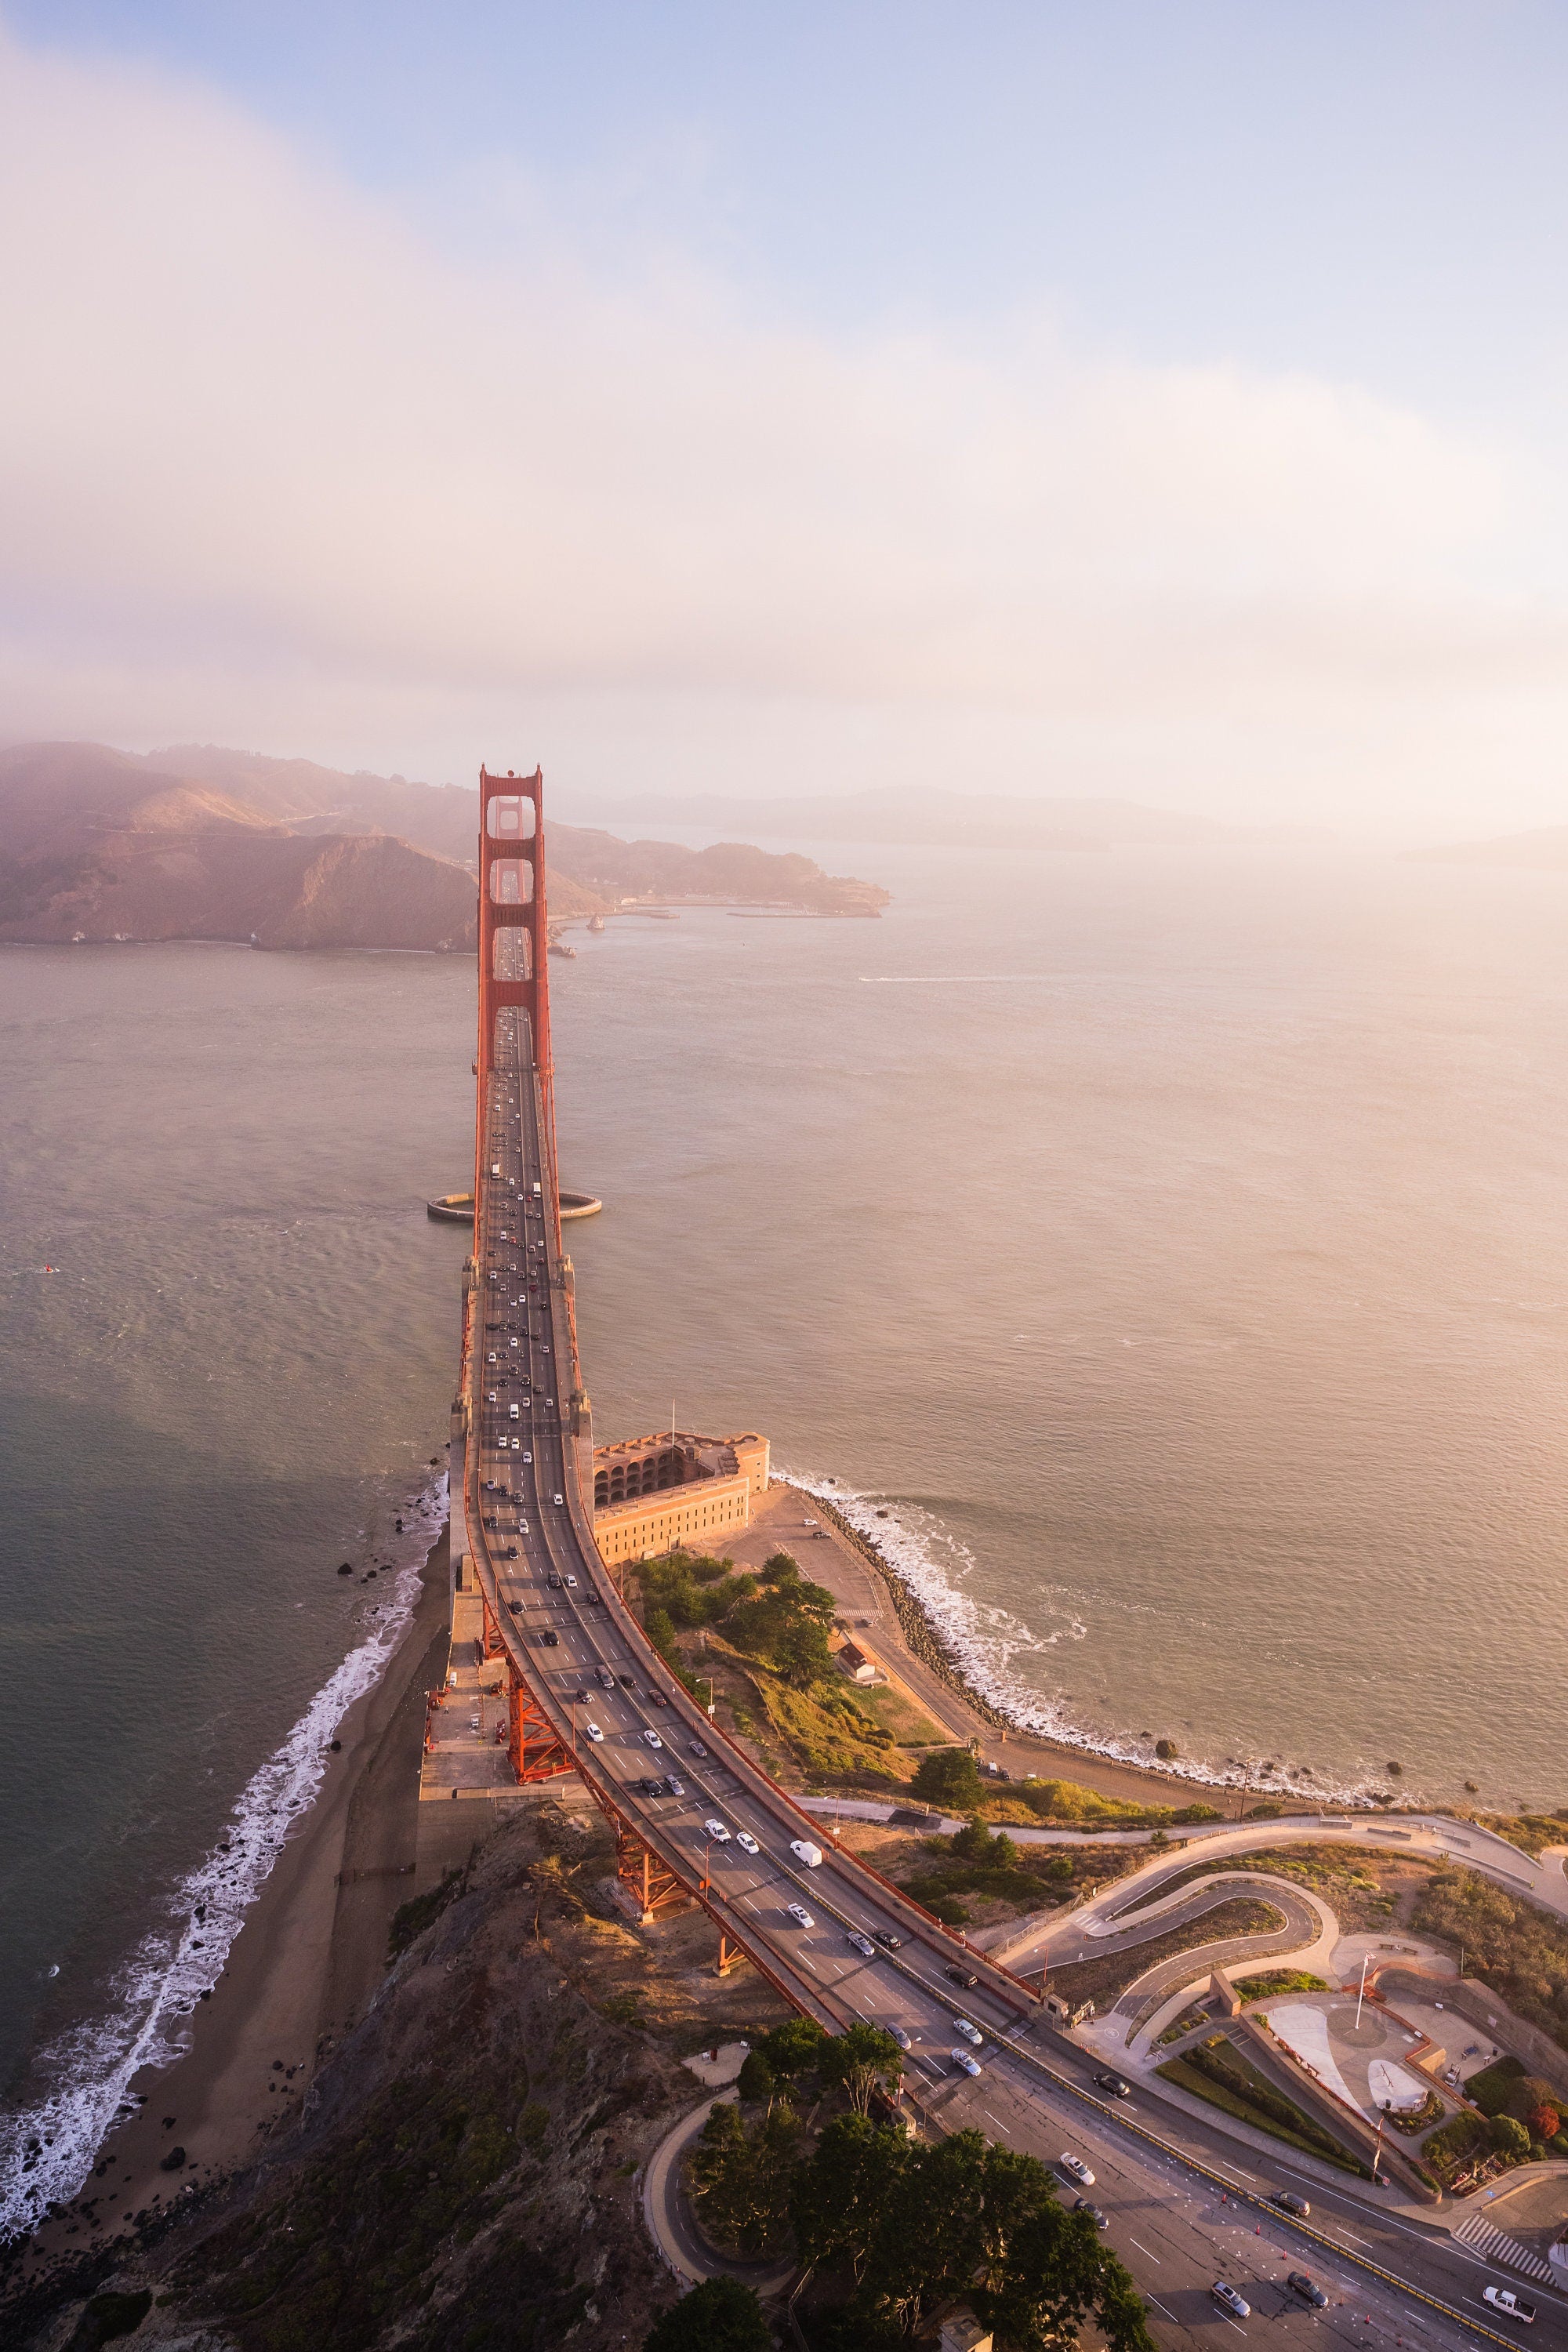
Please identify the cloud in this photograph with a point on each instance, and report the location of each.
(275, 465)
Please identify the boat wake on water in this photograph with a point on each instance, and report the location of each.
(48, 2149)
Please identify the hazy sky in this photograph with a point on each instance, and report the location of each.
(1165, 399)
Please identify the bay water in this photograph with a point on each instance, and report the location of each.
(1172, 1243)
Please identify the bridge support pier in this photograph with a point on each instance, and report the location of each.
(655, 1889)
(728, 1954)
(536, 1751)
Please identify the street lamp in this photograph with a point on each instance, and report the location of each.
(708, 1680)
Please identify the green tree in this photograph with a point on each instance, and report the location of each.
(839, 2192)
(947, 1778)
(794, 2047)
(801, 1653)
(779, 1568)
(859, 2059)
(720, 2315)
(739, 2173)
(757, 2079)
(1510, 2137)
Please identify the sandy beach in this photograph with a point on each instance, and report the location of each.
(304, 1965)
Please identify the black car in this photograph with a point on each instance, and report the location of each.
(1115, 2085)
(651, 1788)
(656, 1698)
(697, 1748)
(888, 1941)
(590, 1601)
(1288, 2202)
(516, 1607)
(548, 1641)
(1307, 2289)
(628, 1684)
(1081, 2205)
(553, 1581)
(964, 1977)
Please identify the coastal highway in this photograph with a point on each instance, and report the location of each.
(604, 1692)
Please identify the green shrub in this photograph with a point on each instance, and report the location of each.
(1511, 2138)
(1275, 1981)
(1492, 2087)
(947, 1777)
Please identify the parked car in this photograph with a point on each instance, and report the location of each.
(1225, 2295)
(1115, 2085)
(1512, 2307)
(1307, 2289)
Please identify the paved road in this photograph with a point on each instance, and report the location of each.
(601, 1687)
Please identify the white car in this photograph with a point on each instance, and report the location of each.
(901, 2037)
(717, 1831)
(800, 1915)
(1079, 2172)
(492, 1398)
(593, 1732)
(571, 1584)
(963, 2061)
(862, 1944)
(970, 2033)
(528, 1458)
(561, 1498)
(492, 1358)
(804, 1851)
(745, 1838)
(652, 1739)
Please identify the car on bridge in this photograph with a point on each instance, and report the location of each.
(970, 2033)
(652, 1739)
(593, 1733)
(677, 1788)
(743, 1838)
(605, 1677)
(888, 1941)
(862, 1944)
(964, 1977)
(963, 2061)
(553, 1581)
(656, 1698)
(901, 2037)
(549, 1640)
(717, 1831)
(800, 1915)
(804, 1851)
(1288, 2202)
(696, 1748)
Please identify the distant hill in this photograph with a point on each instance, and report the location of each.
(1547, 849)
(929, 816)
(200, 843)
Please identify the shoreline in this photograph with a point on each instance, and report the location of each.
(921, 1636)
(304, 1965)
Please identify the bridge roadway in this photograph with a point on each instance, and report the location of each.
(528, 1525)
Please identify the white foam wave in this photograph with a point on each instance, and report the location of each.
(47, 2150)
(984, 1640)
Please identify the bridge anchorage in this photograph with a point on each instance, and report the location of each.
(586, 1692)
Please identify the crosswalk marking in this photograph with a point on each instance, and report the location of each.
(1498, 2247)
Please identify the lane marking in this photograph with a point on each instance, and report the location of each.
(1144, 2249)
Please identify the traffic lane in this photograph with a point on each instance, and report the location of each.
(1426, 2262)
(1360, 2226)
(1177, 2235)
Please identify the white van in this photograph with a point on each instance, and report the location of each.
(512, 1411)
(805, 1851)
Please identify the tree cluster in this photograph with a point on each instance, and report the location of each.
(916, 2225)
(776, 1614)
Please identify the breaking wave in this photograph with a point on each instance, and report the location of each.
(983, 1640)
(47, 2149)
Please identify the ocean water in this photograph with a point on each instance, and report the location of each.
(1172, 1243)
